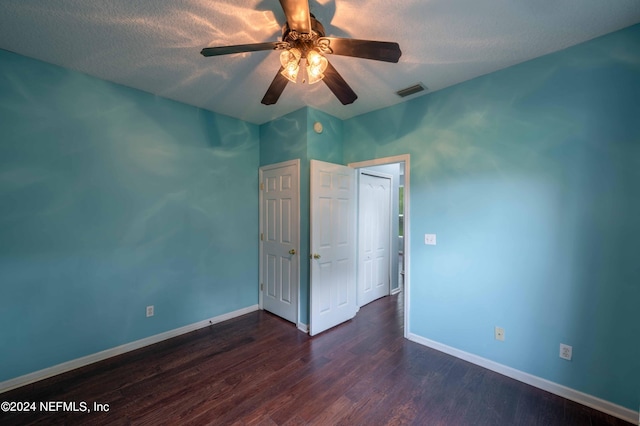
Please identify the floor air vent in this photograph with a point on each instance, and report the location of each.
(411, 90)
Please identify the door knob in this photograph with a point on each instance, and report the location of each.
(316, 256)
(292, 251)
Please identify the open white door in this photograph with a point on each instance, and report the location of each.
(333, 245)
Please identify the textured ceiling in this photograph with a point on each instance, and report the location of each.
(154, 45)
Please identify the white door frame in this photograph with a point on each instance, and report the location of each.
(381, 175)
(295, 163)
(407, 223)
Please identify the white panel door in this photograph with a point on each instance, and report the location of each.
(333, 245)
(280, 229)
(374, 239)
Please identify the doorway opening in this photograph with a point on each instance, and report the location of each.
(399, 235)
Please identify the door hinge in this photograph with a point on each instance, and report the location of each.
(261, 186)
(261, 286)
(261, 237)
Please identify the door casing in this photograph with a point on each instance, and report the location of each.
(406, 159)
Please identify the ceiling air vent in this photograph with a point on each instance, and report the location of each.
(411, 90)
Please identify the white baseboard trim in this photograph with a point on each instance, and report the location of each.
(538, 382)
(108, 353)
(303, 327)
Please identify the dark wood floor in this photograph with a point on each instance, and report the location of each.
(258, 369)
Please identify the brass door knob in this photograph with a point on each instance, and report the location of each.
(316, 256)
(292, 251)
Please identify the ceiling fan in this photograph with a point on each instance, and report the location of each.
(303, 37)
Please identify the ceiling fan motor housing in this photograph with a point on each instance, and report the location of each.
(306, 42)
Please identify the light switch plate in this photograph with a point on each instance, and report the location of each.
(430, 239)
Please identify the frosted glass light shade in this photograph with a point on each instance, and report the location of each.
(316, 65)
(290, 61)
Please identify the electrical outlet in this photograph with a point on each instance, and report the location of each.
(150, 311)
(566, 351)
(499, 333)
(430, 239)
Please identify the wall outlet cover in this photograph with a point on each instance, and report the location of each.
(430, 239)
(566, 351)
(499, 333)
(150, 311)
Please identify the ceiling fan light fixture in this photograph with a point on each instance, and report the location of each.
(290, 61)
(303, 37)
(316, 65)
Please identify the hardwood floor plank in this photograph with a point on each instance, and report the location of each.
(260, 370)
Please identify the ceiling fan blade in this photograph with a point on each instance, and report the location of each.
(297, 13)
(338, 86)
(239, 48)
(275, 89)
(377, 50)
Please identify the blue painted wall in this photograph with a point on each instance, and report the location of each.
(112, 199)
(530, 177)
(327, 145)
